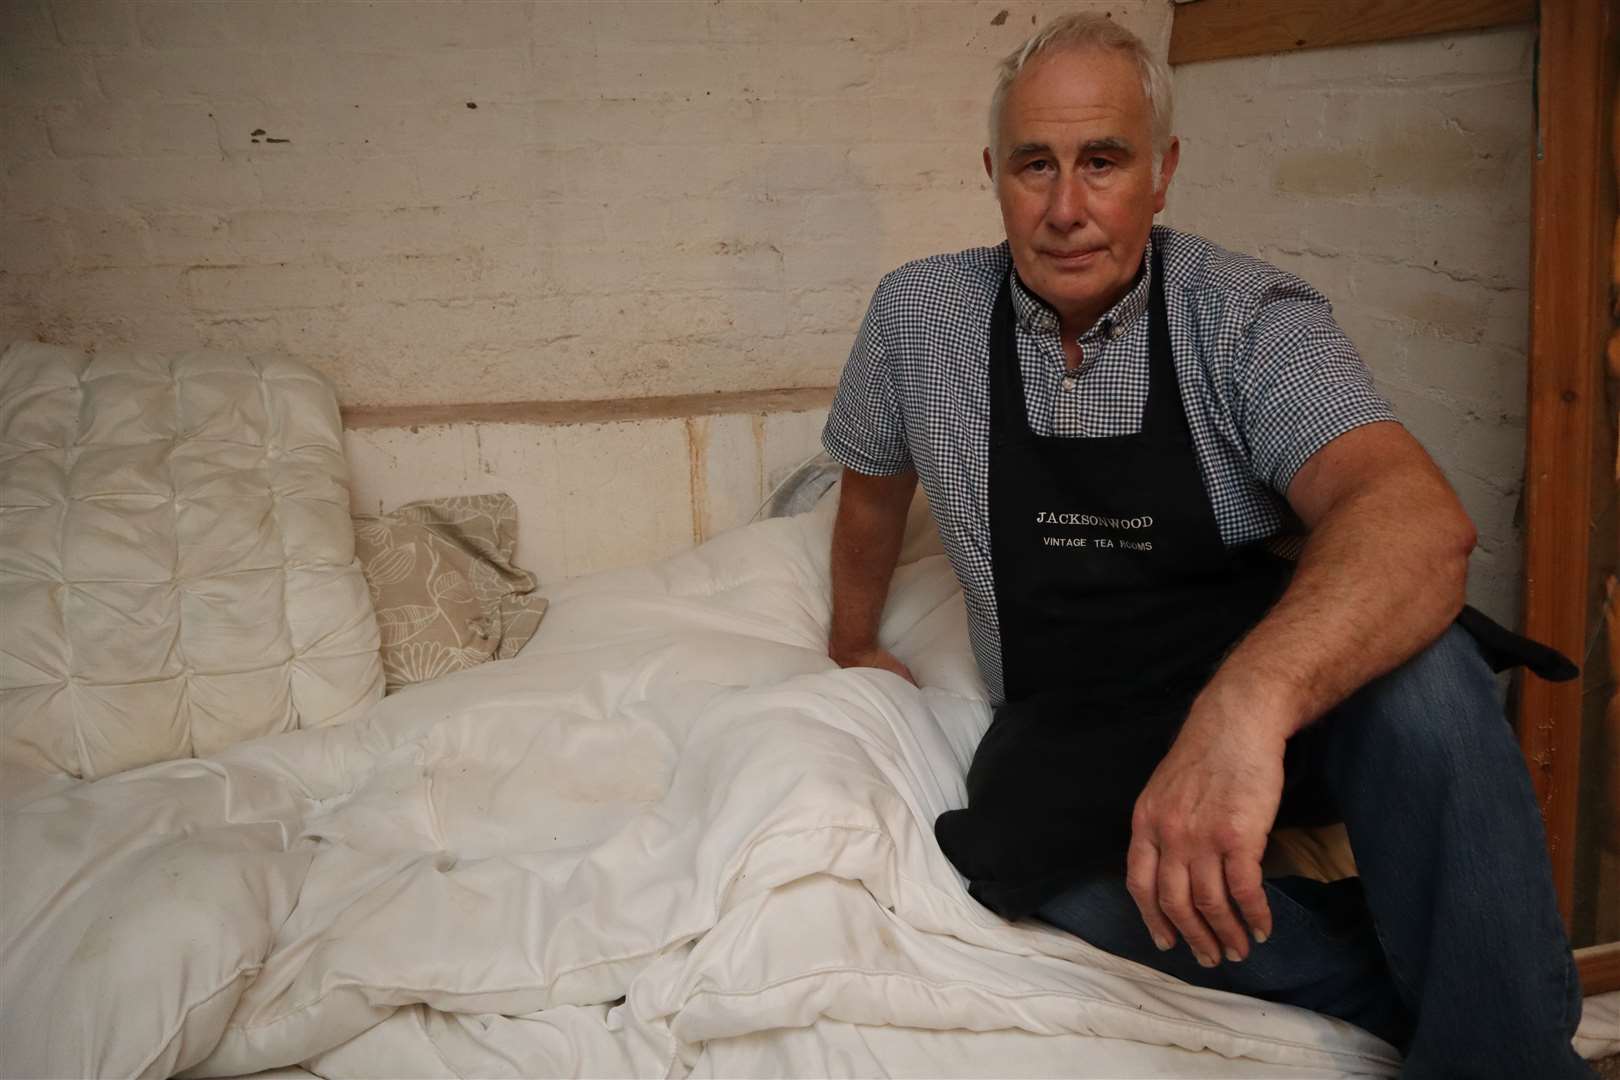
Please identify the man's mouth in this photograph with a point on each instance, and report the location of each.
(1074, 256)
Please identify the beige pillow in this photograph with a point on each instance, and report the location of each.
(442, 581)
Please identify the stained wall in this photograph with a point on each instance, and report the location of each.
(450, 202)
(1395, 178)
(474, 203)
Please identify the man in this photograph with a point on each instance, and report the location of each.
(1118, 428)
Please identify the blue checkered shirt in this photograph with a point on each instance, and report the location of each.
(1267, 376)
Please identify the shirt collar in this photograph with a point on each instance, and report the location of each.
(1034, 314)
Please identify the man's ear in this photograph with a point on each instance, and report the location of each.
(1167, 172)
(989, 165)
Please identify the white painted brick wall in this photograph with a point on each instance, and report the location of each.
(686, 197)
(1395, 178)
(647, 199)
(592, 496)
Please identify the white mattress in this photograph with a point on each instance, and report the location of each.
(667, 840)
(177, 563)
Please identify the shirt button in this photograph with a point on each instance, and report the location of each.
(1068, 382)
(1114, 330)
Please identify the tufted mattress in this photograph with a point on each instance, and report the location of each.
(177, 565)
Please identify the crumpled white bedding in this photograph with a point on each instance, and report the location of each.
(667, 840)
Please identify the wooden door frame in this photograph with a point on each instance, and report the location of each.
(1573, 220)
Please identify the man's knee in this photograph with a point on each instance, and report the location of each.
(1442, 701)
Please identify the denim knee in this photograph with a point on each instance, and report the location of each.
(1441, 706)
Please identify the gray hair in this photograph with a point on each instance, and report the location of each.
(1080, 31)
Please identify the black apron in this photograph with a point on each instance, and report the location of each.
(1117, 601)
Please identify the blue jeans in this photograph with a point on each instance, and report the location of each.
(1449, 945)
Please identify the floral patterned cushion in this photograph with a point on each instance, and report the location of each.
(442, 581)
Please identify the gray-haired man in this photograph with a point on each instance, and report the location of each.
(1119, 427)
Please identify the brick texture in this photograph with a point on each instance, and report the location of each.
(487, 201)
(593, 496)
(1395, 178)
(466, 202)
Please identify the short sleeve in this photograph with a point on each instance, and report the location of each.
(1300, 382)
(866, 428)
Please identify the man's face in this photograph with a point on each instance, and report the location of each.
(1074, 175)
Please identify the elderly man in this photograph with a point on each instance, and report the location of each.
(1211, 587)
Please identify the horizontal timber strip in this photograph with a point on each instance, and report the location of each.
(1219, 29)
(745, 402)
(1599, 966)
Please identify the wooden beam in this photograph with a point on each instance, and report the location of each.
(1216, 29)
(608, 411)
(1568, 325)
(1606, 901)
(1599, 966)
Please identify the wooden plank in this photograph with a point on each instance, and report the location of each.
(1599, 966)
(1568, 324)
(1607, 901)
(800, 399)
(1216, 29)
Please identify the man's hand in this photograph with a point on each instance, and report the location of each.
(1199, 831)
(878, 658)
(1381, 575)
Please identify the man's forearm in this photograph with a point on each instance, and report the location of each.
(867, 536)
(1382, 574)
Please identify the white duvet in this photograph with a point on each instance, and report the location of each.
(667, 840)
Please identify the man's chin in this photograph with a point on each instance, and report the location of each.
(1088, 275)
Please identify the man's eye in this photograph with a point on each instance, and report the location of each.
(1099, 164)
(1039, 166)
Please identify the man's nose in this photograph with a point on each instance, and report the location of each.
(1066, 206)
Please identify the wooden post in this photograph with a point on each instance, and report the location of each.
(1572, 196)
(1608, 876)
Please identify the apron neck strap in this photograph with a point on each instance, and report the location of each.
(1164, 415)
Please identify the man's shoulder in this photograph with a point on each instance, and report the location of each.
(949, 279)
(1209, 273)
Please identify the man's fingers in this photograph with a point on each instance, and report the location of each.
(1211, 900)
(1248, 889)
(891, 662)
(1176, 901)
(1142, 882)
(884, 660)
